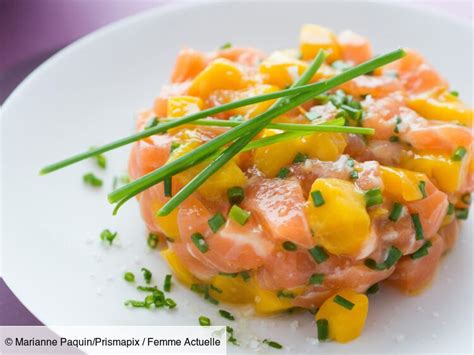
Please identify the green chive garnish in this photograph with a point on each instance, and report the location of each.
(170, 303)
(394, 254)
(354, 175)
(316, 279)
(146, 275)
(167, 186)
(450, 210)
(419, 235)
(372, 264)
(129, 276)
(216, 222)
(319, 254)
(317, 197)
(136, 304)
(152, 240)
(373, 197)
(245, 275)
(152, 122)
(398, 120)
(341, 301)
(394, 139)
(226, 315)
(235, 195)
(283, 173)
(214, 288)
(454, 93)
(231, 338)
(107, 236)
(285, 294)
(204, 321)
(174, 146)
(373, 289)
(290, 246)
(322, 326)
(100, 160)
(226, 45)
(396, 212)
(459, 153)
(422, 251)
(300, 158)
(239, 215)
(199, 242)
(92, 180)
(422, 187)
(167, 283)
(272, 344)
(229, 274)
(461, 213)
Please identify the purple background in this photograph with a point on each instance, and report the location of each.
(33, 30)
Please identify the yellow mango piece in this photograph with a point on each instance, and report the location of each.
(179, 106)
(442, 107)
(334, 223)
(220, 74)
(324, 146)
(267, 302)
(344, 324)
(313, 38)
(234, 289)
(216, 186)
(281, 69)
(169, 223)
(272, 158)
(178, 268)
(402, 185)
(251, 111)
(448, 175)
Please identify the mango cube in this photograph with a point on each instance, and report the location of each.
(313, 38)
(179, 106)
(251, 111)
(178, 268)
(402, 185)
(234, 289)
(281, 69)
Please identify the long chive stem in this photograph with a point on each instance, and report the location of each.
(347, 75)
(141, 184)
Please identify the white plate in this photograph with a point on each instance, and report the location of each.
(88, 94)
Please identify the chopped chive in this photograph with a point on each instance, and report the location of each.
(454, 93)
(107, 236)
(100, 159)
(226, 45)
(226, 315)
(350, 163)
(272, 344)
(245, 275)
(235, 195)
(283, 173)
(152, 240)
(300, 158)
(170, 303)
(461, 213)
(239, 215)
(285, 294)
(419, 235)
(373, 289)
(216, 222)
(167, 283)
(394, 254)
(136, 304)
(214, 288)
(466, 198)
(199, 242)
(398, 120)
(341, 301)
(149, 300)
(422, 187)
(372, 264)
(174, 146)
(290, 246)
(396, 212)
(204, 321)
(317, 197)
(394, 139)
(146, 275)
(316, 279)
(450, 210)
(354, 175)
(354, 113)
(152, 122)
(459, 153)
(129, 276)
(147, 288)
(92, 180)
(167, 186)
(199, 288)
(422, 251)
(231, 338)
(373, 197)
(322, 326)
(319, 254)
(209, 298)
